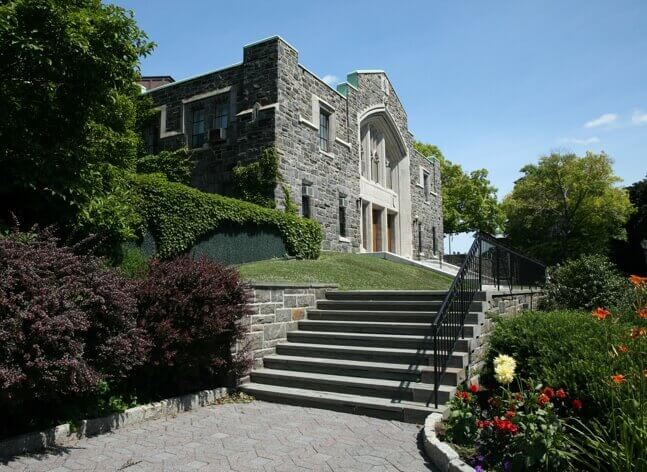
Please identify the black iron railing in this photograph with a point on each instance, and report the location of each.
(489, 262)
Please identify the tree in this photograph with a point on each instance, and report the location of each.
(68, 94)
(566, 206)
(629, 254)
(469, 200)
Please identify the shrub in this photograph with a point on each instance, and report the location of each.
(134, 263)
(67, 323)
(587, 282)
(176, 165)
(178, 215)
(191, 311)
(510, 431)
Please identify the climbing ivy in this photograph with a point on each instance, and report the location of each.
(256, 182)
(178, 215)
(176, 165)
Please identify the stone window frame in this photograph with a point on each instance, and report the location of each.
(343, 217)
(319, 104)
(210, 98)
(307, 200)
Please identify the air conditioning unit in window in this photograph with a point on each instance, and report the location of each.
(217, 135)
(343, 202)
(308, 191)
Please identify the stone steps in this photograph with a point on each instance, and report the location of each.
(367, 352)
(376, 370)
(410, 412)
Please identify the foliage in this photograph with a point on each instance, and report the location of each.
(68, 96)
(600, 356)
(291, 208)
(587, 282)
(629, 254)
(519, 431)
(178, 215)
(191, 312)
(66, 323)
(566, 206)
(255, 182)
(349, 271)
(469, 200)
(134, 263)
(176, 165)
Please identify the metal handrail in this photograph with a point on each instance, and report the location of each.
(488, 260)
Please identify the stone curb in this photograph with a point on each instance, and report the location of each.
(64, 435)
(440, 453)
(277, 285)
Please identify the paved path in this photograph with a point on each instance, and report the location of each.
(257, 436)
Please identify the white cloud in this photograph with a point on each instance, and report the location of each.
(330, 79)
(639, 118)
(581, 142)
(603, 120)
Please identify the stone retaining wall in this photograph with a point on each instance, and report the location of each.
(499, 304)
(276, 310)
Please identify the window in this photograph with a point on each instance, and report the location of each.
(151, 136)
(343, 203)
(221, 114)
(197, 128)
(425, 184)
(324, 130)
(434, 242)
(389, 175)
(419, 238)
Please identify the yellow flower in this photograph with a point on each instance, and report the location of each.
(504, 367)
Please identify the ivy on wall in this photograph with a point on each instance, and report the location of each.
(178, 215)
(256, 182)
(175, 165)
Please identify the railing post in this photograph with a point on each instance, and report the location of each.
(497, 274)
(480, 262)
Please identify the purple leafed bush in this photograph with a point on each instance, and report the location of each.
(67, 322)
(191, 311)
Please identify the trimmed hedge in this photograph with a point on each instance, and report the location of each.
(178, 216)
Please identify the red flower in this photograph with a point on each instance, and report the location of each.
(505, 425)
(483, 424)
(510, 414)
(549, 392)
(577, 404)
(561, 394)
(618, 378)
(637, 332)
(623, 348)
(601, 313)
(474, 388)
(463, 396)
(543, 399)
(643, 313)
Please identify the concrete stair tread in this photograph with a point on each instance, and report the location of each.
(324, 399)
(384, 324)
(348, 380)
(409, 368)
(385, 350)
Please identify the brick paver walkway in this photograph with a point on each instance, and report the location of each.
(257, 436)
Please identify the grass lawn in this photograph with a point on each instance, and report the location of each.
(350, 271)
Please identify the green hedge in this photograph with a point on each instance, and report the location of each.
(178, 216)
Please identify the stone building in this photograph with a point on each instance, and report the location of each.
(347, 156)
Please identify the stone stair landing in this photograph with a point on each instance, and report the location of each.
(366, 352)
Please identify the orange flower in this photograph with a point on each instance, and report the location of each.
(543, 399)
(637, 332)
(601, 313)
(623, 348)
(643, 313)
(638, 281)
(645, 372)
(618, 378)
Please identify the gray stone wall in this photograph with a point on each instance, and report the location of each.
(271, 76)
(428, 212)
(499, 304)
(252, 81)
(276, 310)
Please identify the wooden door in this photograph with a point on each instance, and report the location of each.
(377, 235)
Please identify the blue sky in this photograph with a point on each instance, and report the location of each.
(494, 84)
